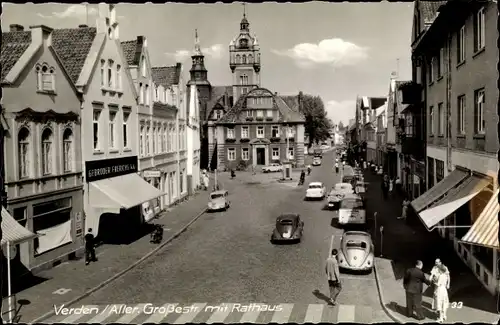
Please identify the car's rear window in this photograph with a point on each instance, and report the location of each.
(216, 196)
(356, 244)
(286, 222)
(314, 186)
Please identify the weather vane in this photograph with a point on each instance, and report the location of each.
(244, 9)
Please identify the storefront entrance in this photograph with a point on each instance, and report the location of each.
(261, 156)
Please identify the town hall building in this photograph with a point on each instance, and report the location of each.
(244, 124)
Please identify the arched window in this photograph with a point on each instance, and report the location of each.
(244, 59)
(47, 152)
(68, 150)
(141, 141)
(24, 152)
(238, 58)
(45, 77)
(141, 93)
(250, 58)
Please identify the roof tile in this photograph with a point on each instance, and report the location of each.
(14, 44)
(72, 45)
(129, 49)
(167, 76)
(429, 9)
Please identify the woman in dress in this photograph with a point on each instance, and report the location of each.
(404, 209)
(441, 301)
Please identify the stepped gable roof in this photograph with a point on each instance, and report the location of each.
(72, 45)
(14, 44)
(130, 51)
(286, 113)
(167, 76)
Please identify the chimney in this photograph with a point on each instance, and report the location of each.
(83, 26)
(42, 32)
(16, 28)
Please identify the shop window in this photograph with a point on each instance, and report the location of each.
(52, 220)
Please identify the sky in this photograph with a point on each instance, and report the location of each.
(337, 51)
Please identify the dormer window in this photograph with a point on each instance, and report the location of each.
(45, 77)
(249, 113)
(143, 67)
(218, 114)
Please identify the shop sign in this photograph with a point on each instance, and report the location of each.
(108, 168)
(78, 224)
(151, 174)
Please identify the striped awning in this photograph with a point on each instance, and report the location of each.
(438, 190)
(484, 232)
(12, 231)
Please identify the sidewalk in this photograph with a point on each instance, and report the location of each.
(69, 281)
(406, 242)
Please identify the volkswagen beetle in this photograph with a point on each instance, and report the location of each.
(356, 251)
(218, 201)
(352, 210)
(337, 193)
(289, 227)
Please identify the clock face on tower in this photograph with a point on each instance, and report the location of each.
(243, 42)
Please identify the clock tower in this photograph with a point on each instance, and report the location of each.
(199, 77)
(244, 60)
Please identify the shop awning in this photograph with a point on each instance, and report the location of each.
(484, 232)
(453, 200)
(438, 190)
(121, 192)
(12, 231)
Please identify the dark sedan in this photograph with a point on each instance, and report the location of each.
(288, 228)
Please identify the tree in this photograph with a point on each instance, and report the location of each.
(317, 125)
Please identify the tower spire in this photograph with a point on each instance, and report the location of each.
(244, 10)
(197, 48)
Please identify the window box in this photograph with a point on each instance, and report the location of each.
(275, 139)
(230, 140)
(269, 118)
(249, 118)
(259, 118)
(244, 140)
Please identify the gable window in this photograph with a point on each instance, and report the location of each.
(154, 139)
(275, 153)
(479, 120)
(95, 123)
(111, 83)
(245, 154)
(143, 66)
(290, 153)
(47, 151)
(244, 79)
(112, 129)
(230, 133)
(461, 45)
(231, 154)
(441, 119)
(249, 113)
(165, 138)
(126, 116)
(119, 77)
(275, 131)
(479, 30)
(141, 140)
(244, 59)
(161, 130)
(290, 132)
(244, 90)
(244, 132)
(218, 114)
(68, 150)
(431, 120)
(45, 77)
(24, 152)
(260, 113)
(141, 93)
(461, 114)
(103, 73)
(260, 132)
(269, 113)
(147, 94)
(431, 69)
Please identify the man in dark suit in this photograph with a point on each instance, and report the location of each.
(413, 284)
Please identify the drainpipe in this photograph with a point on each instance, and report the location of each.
(3, 195)
(448, 105)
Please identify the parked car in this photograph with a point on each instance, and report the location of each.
(289, 227)
(316, 161)
(352, 210)
(316, 190)
(273, 168)
(356, 251)
(318, 152)
(219, 200)
(337, 193)
(348, 179)
(360, 188)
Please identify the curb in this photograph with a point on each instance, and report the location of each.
(119, 274)
(381, 296)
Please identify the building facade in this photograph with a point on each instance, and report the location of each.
(42, 155)
(460, 91)
(381, 135)
(113, 189)
(364, 144)
(258, 130)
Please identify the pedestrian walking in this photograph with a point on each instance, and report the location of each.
(90, 247)
(404, 209)
(391, 187)
(440, 303)
(413, 284)
(435, 273)
(385, 186)
(333, 276)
